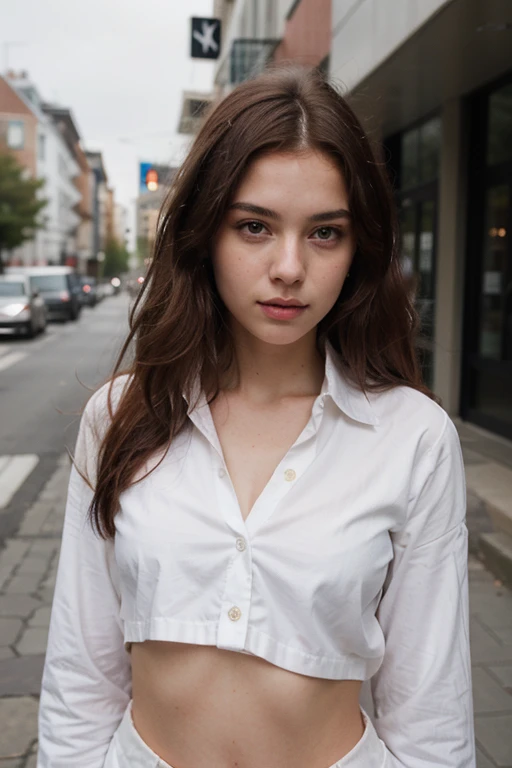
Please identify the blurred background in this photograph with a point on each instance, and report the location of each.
(98, 106)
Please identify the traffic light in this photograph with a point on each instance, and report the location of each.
(152, 180)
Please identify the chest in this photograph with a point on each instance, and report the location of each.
(255, 439)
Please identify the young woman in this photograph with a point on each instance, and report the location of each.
(268, 507)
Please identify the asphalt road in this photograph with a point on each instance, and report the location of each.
(44, 384)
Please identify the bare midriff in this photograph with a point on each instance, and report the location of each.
(199, 706)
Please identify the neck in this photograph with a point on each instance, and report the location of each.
(267, 372)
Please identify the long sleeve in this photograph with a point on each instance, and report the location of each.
(422, 693)
(87, 676)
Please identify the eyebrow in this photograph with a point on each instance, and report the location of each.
(257, 210)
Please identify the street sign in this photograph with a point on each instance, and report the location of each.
(205, 38)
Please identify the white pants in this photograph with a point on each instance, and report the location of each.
(128, 750)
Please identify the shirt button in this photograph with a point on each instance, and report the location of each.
(290, 475)
(240, 544)
(234, 613)
(222, 472)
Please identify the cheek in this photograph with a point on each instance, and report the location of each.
(332, 282)
(232, 273)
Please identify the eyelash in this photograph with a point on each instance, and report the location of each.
(337, 231)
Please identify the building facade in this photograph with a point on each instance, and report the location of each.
(120, 224)
(100, 211)
(433, 82)
(18, 128)
(45, 148)
(252, 30)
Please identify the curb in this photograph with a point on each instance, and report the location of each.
(496, 548)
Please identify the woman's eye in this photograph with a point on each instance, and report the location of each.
(254, 227)
(327, 233)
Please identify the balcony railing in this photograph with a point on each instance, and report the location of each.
(249, 57)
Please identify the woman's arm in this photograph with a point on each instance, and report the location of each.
(87, 677)
(422, 692)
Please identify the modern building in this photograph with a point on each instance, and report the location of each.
(83, 208)
(46, 145)
(252, 30)
(18, 128)
(432, 83)
(120, 224)
(100, 209)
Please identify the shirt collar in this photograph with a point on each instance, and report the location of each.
(348, 397)
(351, 400)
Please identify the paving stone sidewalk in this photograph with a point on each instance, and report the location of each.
(28, 565)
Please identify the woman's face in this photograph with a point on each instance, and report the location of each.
(287, 237)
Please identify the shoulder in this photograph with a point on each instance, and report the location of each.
(426, 447)
(412, 418)
(94, 424)
(106, 399)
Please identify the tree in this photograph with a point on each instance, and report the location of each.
(19, 205)
(116, 259)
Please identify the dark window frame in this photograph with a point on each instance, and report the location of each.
(418, 195)
(481, 178)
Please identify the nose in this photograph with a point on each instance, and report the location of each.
(287, 264)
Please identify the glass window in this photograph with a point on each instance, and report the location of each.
(12, 289)
(492, 394)
(49, 282)
(430, 149)
(16, 134)
(420, 153)
(495, 293)
(410, 142)
(41, 146)
(408, 230)
(499, 147)
(426, 287)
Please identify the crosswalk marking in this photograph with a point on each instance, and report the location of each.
(11, 358)
(14, 470)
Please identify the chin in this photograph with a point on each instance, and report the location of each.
(279, 336)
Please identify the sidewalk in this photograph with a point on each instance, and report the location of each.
(27, 577)
(488, 460)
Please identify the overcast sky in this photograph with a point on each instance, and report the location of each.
(119, 65)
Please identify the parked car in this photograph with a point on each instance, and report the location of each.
(105, 289)
(22, 309)
(60, 288)
(89, 290)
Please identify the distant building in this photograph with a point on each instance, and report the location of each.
(47, 145)
(120, 224)
(18, 128)
(148, 205)
(83, 181)
(100, 206)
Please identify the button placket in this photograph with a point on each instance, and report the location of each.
(236, 599)
(287, 474)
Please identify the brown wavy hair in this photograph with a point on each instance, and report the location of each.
(178, 322)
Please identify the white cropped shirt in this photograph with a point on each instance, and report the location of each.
(352, 564)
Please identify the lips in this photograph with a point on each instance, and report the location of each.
(288, 303)
(282, 309)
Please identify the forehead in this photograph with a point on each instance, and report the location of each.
(307, 178)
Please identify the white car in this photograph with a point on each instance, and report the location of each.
(22, 308)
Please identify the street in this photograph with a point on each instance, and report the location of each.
(43, 385)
